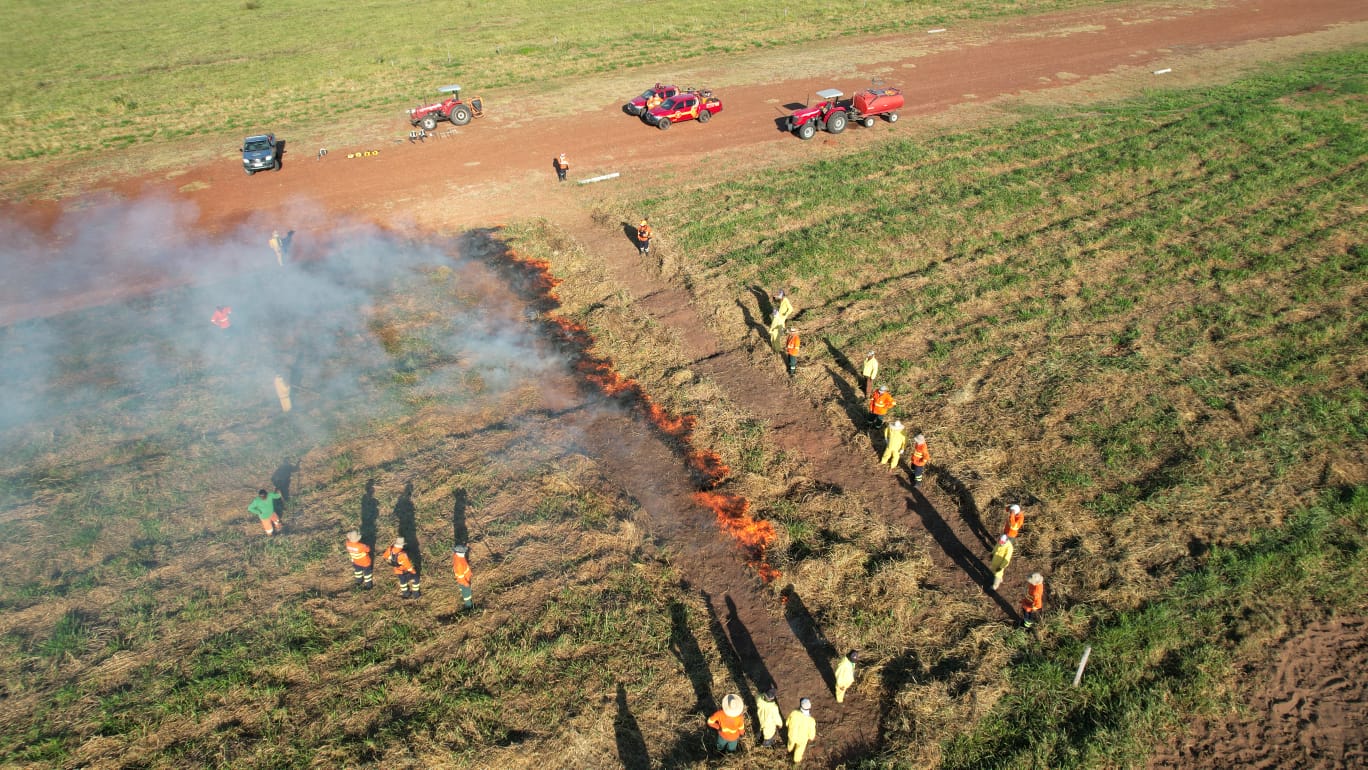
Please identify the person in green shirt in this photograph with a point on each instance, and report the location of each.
(264, 507)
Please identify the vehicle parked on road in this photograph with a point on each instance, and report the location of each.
(834, 112)
(259, 153)
(650, 99)
(451, 109)
(698, 105)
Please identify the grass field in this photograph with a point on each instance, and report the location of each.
(98, 76)
(1148, 316)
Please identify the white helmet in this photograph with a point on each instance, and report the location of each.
(1014, 508)
(353, 536)
(398, 542)
(733, 706)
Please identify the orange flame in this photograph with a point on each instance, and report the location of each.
(733, 511)
(754, 535)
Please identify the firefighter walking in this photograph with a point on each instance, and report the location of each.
(783, 308)
(409, 587)
(461, 568)
(894, 441)
(768, 717)
(879, 405)
(802, 729)
(919, 458)
(562, 166)
(870, 370)
(360, 554)
(1002, 556)
(791, 346)
(1034, 600)
(1015, 518)
(845, 674)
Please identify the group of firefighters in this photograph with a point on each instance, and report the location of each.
(880, 404)
(410, 587)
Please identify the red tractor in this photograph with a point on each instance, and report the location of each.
(649, 99)
(451, 109)
(698, 105)
(833, 112)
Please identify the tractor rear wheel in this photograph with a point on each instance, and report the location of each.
(704, 116)
(836, 123)
(892, 117)
(663, 123)
(428, 123)
(867, 122)
(807, 131)
(460, 115)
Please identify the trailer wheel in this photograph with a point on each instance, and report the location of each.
(836, 123)
(867, 122)
(807, 131)
(892, 117)
(428, 123)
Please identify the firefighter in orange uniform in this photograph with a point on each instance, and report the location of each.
(461, 568)
(729, 722)
(643, 237)
(1015, 518)
(360, 555)
(1034, 600)
(409, 587)
(879, 406)
(791, 346)
(918, 459)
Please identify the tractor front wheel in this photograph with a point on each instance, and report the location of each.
(704, 116)
(867, 122)
(428, 123)
(892, 117)
(663, 124)
(807, 131)
(836, 123)
(460, 116)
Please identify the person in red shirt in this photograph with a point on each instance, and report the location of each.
(409, 587)
(644, 237)
(461, 568)
(729, 722)
(1034, 600)
(360, 555)
(220, 317)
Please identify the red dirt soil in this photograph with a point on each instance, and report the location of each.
(503, 172)
(1309, 713)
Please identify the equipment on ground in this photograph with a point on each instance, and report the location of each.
(834, 112)
(451, 109)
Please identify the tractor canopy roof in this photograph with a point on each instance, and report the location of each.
(830, 93)
(452, 89)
